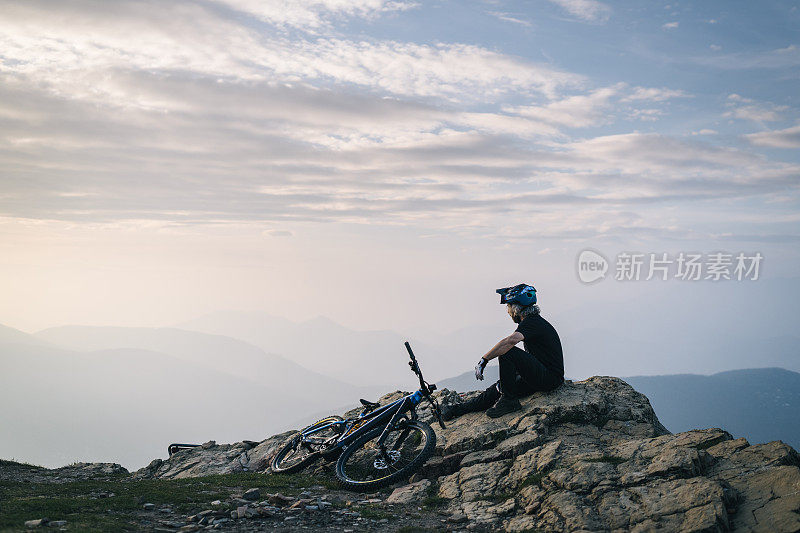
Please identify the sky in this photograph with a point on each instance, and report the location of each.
(387, 164)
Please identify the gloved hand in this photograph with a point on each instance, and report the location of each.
(479, 369)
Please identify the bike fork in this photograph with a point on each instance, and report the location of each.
(385, 434)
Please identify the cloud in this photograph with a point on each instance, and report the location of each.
(585, 10)
(746, 109)
(279, 233)
(596, 107)
(654, 94)
(313, 13)
(184, 115)
(71, 51)
(507, 17)
(670, 25)
(779, 58)
(785, 138)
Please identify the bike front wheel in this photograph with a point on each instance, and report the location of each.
(363, 466)
(299, 452)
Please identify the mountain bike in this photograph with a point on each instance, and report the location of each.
(382, 445)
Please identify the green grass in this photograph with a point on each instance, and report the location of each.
(536, 477)
(73, 501)
(432, 500)
(499, 498)
(611, 459)
(374, 512)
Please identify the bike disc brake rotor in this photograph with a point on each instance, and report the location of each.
(380, 463)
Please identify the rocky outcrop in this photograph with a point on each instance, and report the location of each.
(591, 456)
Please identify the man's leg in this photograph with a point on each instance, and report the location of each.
(520, 374)
(533, 375)
(481, 402)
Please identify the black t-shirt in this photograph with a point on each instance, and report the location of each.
(542, 341)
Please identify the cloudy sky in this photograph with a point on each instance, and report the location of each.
(384, 163)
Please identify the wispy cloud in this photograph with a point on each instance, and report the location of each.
(507, 17)
(313, 13)
(585, 10)
(785, 138)
(219, 121)
(747, 109)
(42, 48)
(670, 25)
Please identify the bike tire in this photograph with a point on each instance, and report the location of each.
(279, 467)
(404, 472)
(277, 464)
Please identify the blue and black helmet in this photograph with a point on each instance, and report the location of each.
(522, 294)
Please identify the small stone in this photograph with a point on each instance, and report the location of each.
(301, 503)
(36, 523)
(252, 494)
(149, 506)
(241, 511)
(234, 515)
(312, 508)
(279, 499)
(190, 527)
(57, 523)
(216, 503)
(305, 494)
(204, 513)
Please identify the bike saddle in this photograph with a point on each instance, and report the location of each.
(368, 404)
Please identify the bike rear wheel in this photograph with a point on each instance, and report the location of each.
(298, 453)
(363, 467)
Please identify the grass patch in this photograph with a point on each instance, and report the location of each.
(499, 498)
(432, 500)
(73, 501)
(536, 477)
(374, 512)
(611, 459)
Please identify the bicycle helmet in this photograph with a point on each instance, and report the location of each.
(522, 294)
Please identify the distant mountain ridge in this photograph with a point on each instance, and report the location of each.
(760, 404)
(80, 393)
(357, 357)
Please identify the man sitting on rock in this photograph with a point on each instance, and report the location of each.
(539, 367)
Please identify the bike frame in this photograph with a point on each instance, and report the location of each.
(387, 414)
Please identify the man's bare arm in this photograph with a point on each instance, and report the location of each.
(504, 345)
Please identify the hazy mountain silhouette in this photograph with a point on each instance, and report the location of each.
(359, 357)
(224, 354)
(132, 391)
(760, 404)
